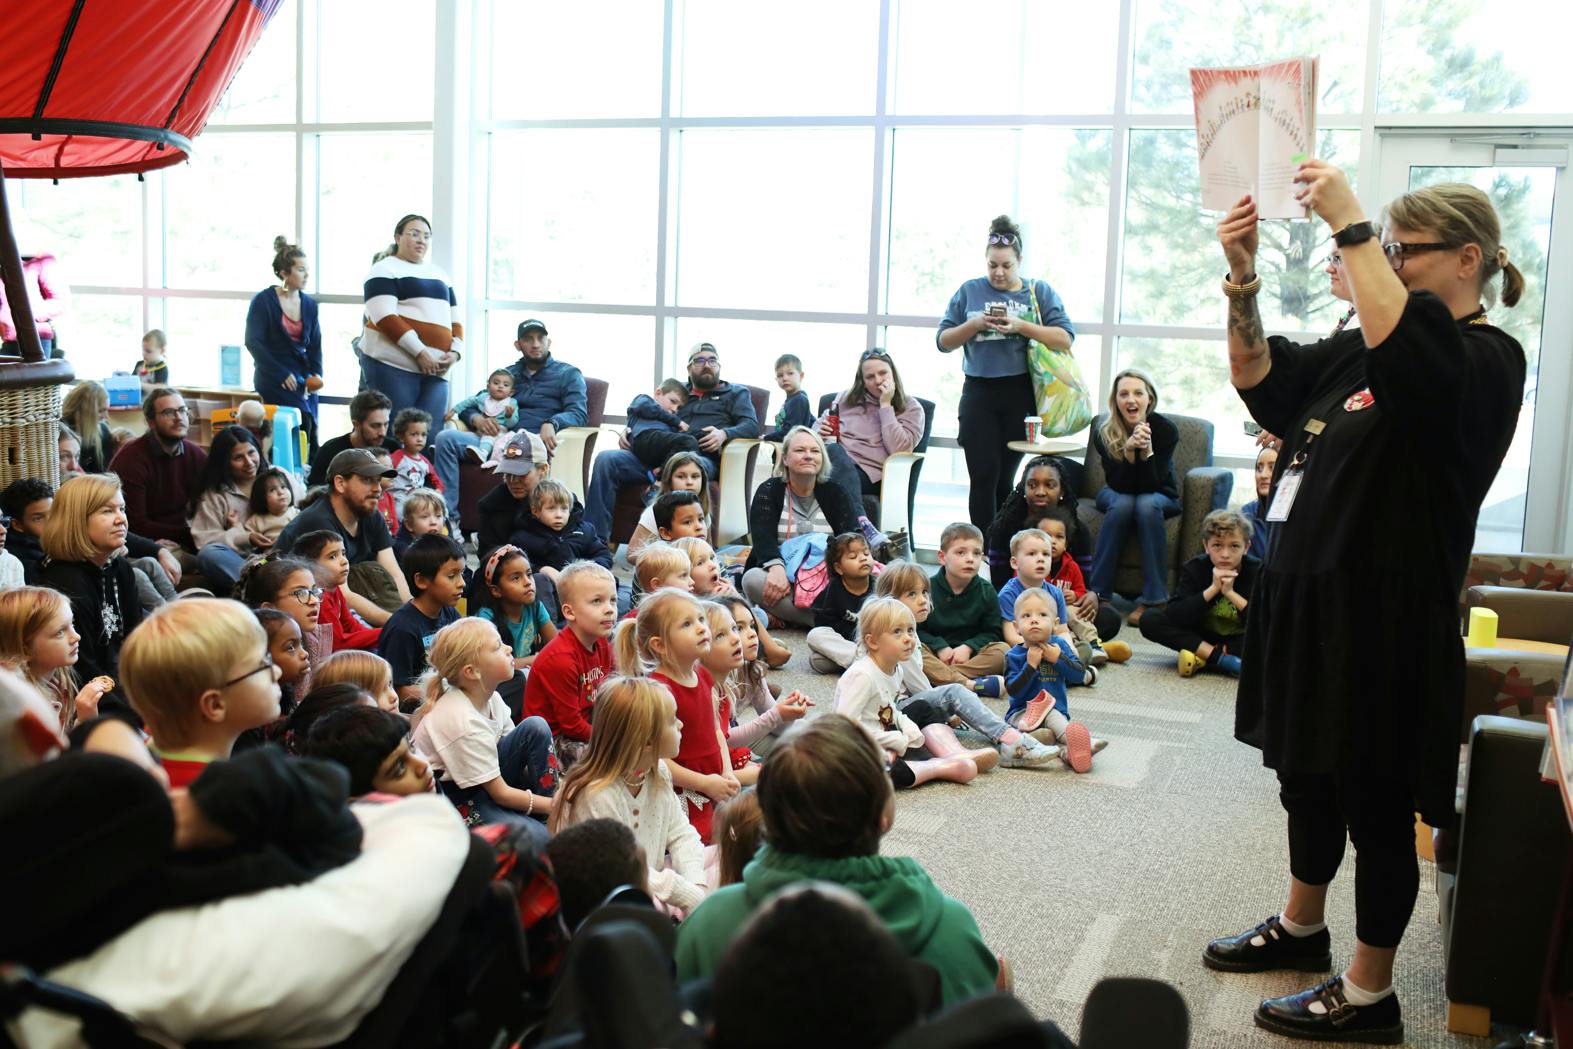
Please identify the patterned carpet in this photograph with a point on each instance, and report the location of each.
(1173, 838)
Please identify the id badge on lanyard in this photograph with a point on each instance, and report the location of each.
(1289, 484)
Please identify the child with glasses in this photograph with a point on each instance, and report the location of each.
(199, 673)
(289, 585)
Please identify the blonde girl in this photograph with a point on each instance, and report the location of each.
(492, 770)
(683, 472)
(918, 743)
(86, 411)
(365, 670)
(39, 641)
(705, 570)
(724, 660)
(623, 776)
(667, 639)
(747, 686)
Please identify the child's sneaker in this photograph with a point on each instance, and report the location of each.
(1188, 663)
(1117, 651)
(1078, 746)
(1091, 676)
(823, 664)
(1098, 744)
(1026, 753)
(1099, 656)
(992, 686)
(474, 452)
(1037, 710)
(1229, 664)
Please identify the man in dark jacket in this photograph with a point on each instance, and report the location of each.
(551, 396)
(716, 413)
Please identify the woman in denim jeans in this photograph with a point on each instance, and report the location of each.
(1140, 487)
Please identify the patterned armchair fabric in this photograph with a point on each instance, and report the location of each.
(1203, 489)
(1508, 683)
(1528, 571)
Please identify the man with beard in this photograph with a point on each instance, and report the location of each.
(716, 412)
(349, 508)
(551, 396)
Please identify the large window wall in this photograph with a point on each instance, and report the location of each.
(813, 179)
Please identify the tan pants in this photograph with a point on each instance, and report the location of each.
(989, 661)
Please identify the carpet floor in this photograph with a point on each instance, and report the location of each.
(1173, 838)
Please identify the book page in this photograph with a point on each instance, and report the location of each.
(1227, 150)
(1287, 134)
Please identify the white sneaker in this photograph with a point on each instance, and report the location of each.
(1098, 744)
(1026, 753)
(474, 452)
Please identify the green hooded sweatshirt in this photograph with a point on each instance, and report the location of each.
(929, 925)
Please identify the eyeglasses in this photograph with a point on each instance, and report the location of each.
(173, 413)
(1397, 251)
(266, 664)
(304, 594)
(705, 360)
(1335, 260)
(1002, 238)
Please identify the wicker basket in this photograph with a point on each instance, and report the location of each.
(29, 429)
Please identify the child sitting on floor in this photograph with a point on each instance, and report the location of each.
(655, 433)
(724, 659)
(683, 472)
(678, 515)
(288, 651)
(563, 679)
(434, 568)
(738, 824)
(556, 535)
(962, 640)
(1036, 672)
(39, 641)
(272, 507)
(289, 585)
(908, 583)
(198, 673)
(491, 769)
(623, 776)
(325, 550)
(590, 860)
(705, 570)
(1205, 620)
(367, 671)
(833, 641)
(748, 686)
(1092, 621)
(1029, 559)
(425, 513)
(661, 565)
(373, 746)
(887, 635)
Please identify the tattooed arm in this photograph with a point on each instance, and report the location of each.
(1249, 361)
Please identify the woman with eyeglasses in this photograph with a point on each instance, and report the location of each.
(84, 543)
(875, 419)
(992, 319)
(220, 504)
(414, 328)
(1353, 688)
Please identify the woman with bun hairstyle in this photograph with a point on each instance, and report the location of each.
(285, 340)
(992, 319)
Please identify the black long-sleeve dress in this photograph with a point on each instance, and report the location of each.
(1356, 660)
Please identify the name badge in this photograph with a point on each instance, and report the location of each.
(1283, 499)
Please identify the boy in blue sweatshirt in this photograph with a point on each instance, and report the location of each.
(796, 410)
(1036, 673)
(655, 433)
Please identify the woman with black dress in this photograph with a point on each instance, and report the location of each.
(1353, 689)
(1140, 488)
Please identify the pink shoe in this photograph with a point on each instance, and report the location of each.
(1037, 710)
(1078, 746)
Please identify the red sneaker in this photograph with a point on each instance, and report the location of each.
(1037, 710)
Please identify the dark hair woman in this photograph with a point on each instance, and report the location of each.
(220, 503)
(1369, 550)
(877, 419)
(414, 333)
(285, 340)
(992, 319)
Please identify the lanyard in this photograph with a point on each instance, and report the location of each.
(1313, 429)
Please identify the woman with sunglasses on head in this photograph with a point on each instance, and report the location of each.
(992, 319)
(1353, 689)
(874, 419)
(414, 328)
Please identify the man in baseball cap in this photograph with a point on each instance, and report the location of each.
(505, 510)
(349, 508)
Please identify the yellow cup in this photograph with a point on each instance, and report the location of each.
(1482, 628)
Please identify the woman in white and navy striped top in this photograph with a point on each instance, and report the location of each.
(413, 327)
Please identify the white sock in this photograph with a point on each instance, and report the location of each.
(1358, 995)
(1296, 929)
(1010, 737)
(1055, 722)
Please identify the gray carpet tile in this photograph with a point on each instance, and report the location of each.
(1173, 838)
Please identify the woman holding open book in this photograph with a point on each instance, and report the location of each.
(1353, 689)
(993, 319)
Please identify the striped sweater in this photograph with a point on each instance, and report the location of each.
(408, 296)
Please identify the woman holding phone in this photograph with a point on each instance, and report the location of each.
(992, 319)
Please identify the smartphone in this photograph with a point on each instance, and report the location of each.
(1252, 428)
(994, 309)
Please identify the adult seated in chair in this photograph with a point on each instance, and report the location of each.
(369, 413)
(800, 499)
(158, 473)
(349, 508)
(827, 801)
(1136, 446)
(505, 510)
(716, 413)
(551, 396)
(875, 419)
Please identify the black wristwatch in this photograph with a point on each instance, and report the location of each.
(1354, 233)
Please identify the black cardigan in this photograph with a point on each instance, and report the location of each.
(1152, 474)
(764, 516)
(88, 588)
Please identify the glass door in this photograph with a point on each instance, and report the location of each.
(1527, 179)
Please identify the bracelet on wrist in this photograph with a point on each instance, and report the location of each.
(1241, 291)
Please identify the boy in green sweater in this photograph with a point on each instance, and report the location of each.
(826, 801)
(962, 642)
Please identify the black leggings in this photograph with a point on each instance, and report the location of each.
(991, 416)
(1158, 625)
(1377, 814)
(922, 713)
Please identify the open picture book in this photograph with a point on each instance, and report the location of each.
(1254, 125)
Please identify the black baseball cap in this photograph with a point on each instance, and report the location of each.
(531, 325)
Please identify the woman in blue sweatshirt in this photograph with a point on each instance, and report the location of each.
(285, 340)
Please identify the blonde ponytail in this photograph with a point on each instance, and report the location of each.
(1512, 283)
(657, 612)
(625, 646)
